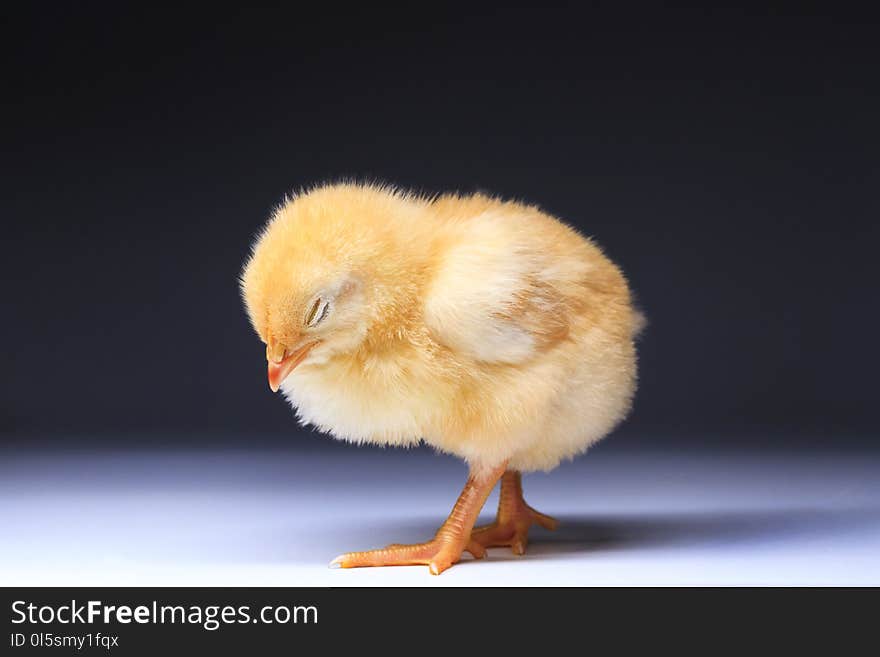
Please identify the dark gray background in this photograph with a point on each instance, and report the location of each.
(727, 160)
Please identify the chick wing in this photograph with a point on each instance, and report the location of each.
(502, 293)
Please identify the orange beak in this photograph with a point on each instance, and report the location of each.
(280, 370)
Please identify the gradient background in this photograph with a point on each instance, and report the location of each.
(727, 160)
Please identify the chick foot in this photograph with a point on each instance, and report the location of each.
(512, 522)
(452, 538)
(437, 554)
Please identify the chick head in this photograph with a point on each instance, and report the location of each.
(303, 286)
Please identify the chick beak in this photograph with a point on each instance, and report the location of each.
(280, 368)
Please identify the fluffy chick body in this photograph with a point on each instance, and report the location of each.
(486, 328)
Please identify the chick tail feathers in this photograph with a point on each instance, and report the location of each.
(640, 322)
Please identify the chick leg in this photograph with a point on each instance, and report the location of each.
(450, 540)
(511, 526)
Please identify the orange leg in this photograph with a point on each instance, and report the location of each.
(511, 526)
(451, 539)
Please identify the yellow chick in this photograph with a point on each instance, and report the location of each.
(483, 327)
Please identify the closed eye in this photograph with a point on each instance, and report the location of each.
(317, 312)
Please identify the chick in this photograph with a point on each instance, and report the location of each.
(485, 328)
